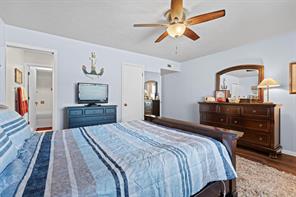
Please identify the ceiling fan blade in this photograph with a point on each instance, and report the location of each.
(205, 17)
(150, 25)
(191, 34)
(177, 10)
(161, 37)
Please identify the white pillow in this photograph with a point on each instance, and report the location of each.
(15, 127)
(8, 152)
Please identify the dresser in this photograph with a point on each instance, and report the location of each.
(81, 116)
(259, 122)
(152, 107)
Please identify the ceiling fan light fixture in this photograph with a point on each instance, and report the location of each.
(176, 30)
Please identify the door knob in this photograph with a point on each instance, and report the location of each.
(125, 104)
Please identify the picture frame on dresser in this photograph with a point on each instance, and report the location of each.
(292, 76)
(221, 95)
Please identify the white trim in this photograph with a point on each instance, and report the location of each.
(39, 65)
(54, 75)
(288, 152)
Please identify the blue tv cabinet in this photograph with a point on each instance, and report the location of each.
(81, 116)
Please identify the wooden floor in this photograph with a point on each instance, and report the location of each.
(284, 162)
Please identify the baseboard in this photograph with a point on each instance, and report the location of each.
(287, 152)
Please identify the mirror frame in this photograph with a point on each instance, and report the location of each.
(260, 69)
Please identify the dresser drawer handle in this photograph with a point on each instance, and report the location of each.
(235, 122)
(260, 138)
(221, 120)
(260, 125)
(228, 110)
(254, 111)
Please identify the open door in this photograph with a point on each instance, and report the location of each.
(32, 74)
(132, 92)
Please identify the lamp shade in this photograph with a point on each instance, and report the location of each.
(268, 83)
(176, 30)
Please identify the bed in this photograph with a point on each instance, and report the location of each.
(162, 157)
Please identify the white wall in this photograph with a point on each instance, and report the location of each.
(71, 54)
(2, 62)
(14, 59)
(182, 91)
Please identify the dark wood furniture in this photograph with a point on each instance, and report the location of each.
(152, 107)
(227, 137)
(259, 122)
(292, 76)
(81, 116)
(260, 69)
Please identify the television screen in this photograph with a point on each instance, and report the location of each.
(92, 93)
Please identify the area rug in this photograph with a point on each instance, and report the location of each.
(258, 180)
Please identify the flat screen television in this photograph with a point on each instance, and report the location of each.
(92, 93)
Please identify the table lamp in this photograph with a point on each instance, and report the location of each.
(268, 83)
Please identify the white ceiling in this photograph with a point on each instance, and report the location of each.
(110, 23)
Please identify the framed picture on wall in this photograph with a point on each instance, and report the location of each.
(293, 78)
(18, 76)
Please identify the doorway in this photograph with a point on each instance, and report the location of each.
(40, 97)
(132, 92)
(29, 85)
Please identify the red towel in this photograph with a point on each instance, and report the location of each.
(22, 101)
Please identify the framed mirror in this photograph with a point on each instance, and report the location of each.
(241, 82)
(151, 90)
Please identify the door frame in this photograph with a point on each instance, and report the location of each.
(54, 75)
(122, 85)
(28, 67)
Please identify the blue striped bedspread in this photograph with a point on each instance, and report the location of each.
(134, 158)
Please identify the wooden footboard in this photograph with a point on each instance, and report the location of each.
(227, 137)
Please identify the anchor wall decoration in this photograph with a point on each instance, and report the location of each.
(93, 72)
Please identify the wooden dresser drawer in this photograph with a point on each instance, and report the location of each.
(256, 138)
(252, 124)
(255, 111)
(259, 122)
(234, 110)
(215, 118)
(208, 108)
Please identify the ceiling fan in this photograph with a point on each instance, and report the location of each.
(178, 25)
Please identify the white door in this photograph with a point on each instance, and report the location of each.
(32, 97)
(132, 92)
